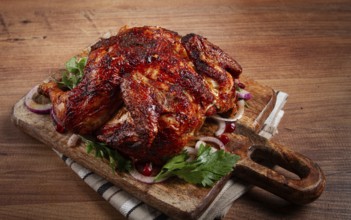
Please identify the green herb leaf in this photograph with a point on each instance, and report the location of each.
(89, 147)
(81, 64)
(74, 72)
(71, 65)
(205, 170)
(101, 150)
(65, 81)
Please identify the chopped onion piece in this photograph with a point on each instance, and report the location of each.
(237, 116)
(221, 128)
(33, 106)
(73, 140)
(142, 178)
(212, 140)
(243, 94)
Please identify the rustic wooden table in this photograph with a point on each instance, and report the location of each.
(300, 47)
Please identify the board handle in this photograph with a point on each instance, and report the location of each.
(301, 181)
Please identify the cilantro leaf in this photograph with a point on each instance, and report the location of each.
(205, 170)
(101, 150)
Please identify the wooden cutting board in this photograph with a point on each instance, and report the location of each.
(174, 197)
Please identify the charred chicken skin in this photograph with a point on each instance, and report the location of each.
(147, 91)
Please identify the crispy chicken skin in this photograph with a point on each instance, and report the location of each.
(217, 68)
(147, 91)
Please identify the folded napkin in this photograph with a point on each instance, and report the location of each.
(133, 208)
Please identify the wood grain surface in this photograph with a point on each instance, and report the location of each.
(300, 47)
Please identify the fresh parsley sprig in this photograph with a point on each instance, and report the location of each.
(205, 170)
(116, 161)
(74, 72)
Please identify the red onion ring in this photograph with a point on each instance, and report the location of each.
(33, 106)
(198, 144)
(192, 153)
(213, 140)
(237, 116)
(221, 127)
(142, 178)
(191, 150)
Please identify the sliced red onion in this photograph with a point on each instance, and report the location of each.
(198, 144)
(191, 150)
(244, 94)
(59, 127)
(73, 140)
(33, 105)
(237, 116)
(142, 178)
(212, 140)
(221, 128)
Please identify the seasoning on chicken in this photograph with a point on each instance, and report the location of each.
(147, 91)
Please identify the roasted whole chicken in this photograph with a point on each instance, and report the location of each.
(147, 91)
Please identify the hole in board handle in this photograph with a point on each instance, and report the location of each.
(290, 167)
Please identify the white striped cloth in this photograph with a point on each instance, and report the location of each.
(134, 209)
